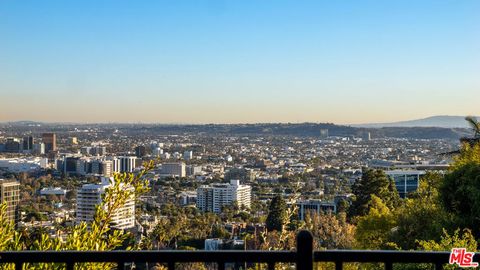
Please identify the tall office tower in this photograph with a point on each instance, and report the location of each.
(212, 198)
(10, 194)
(140, 151)
(50, 141)
(27, 143)
(177, 169)
(39, 148)
(128, 163)
(12, 145)
(90, 195)
(102, 167)
(187, 155)
(70, 165)
(84, 166)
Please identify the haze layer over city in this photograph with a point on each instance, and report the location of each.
(322, 133)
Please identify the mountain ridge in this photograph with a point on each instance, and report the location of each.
(442, 121)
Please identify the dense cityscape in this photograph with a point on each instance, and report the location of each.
(239, 135)
(53, 180)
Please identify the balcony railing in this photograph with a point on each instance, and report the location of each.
(304, 257)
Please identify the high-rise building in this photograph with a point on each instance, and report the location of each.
(128, 163)
(90, 195)
(50, 141)
(12, 145)
(187, 155)
(212, 198)
(70, 165)
(175, 169)
(140, 151)
(39, 148)
(27, 143)
(10, 194)
(102, 167)
(406, 181)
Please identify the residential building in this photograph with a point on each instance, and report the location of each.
(212, 198)
(90, 195)
(175, 169)
(140, 151)
(128, 163)
(10, 195)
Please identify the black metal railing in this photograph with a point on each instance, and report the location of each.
(304, 257)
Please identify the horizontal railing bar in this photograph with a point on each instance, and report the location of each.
(148, 256)
(70, 257)
(382, 256)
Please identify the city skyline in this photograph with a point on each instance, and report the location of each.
(347, 62)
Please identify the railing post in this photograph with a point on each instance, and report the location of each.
(304, 250)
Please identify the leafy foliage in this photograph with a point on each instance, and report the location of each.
(460, 190)
(374, 229)
(330, 231)
(377, 183)
(422, 216)
(97, 235)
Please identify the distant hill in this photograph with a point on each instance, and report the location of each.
(414, 131)
(443, 121)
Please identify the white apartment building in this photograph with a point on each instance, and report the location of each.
(176, 169)
(212, 198)
(90, 195)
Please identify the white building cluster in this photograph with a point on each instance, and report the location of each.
(24, 164)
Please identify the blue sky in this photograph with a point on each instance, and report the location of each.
(238, 61)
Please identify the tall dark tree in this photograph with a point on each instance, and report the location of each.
(460, 194)
(277, 214)
(373, 182)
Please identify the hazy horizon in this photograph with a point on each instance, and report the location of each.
(348, 62)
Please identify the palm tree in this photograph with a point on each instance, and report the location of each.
(475, 125)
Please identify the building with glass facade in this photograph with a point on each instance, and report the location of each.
(407, 181)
